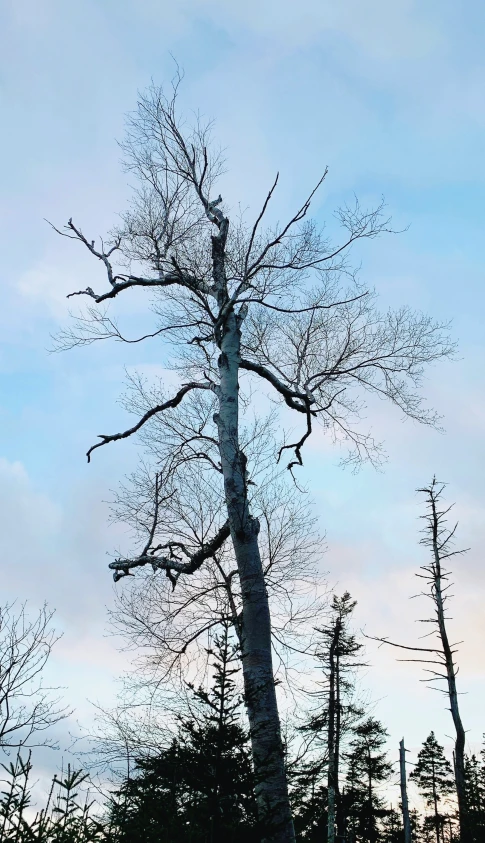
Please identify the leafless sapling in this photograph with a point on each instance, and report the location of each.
(27, 707)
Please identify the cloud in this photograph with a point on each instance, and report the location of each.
(29, 520)
(45, 288)
(55, 551)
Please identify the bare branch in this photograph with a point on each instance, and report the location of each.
(160, 408)
(122, 567)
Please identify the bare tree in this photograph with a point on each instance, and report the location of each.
(27, 707)
(241, 304)
(404, 793)
(439, 539)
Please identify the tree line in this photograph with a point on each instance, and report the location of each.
(199, 786)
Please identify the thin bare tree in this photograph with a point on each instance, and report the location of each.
(404, 793)
(439, 539)
(243, 304)
(27, 707)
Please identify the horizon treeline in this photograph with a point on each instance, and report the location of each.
(190, 777)
(199, 786)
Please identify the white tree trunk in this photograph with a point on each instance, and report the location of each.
(260, 695)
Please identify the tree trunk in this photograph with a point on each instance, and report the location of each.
(435, 800)
(331, 740)
(260, 694)
(338, 726)
(404, 793)
(453, 697)
(369, 797)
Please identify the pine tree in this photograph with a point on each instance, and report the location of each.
(434, 778)
(201, 788)
(368, 768)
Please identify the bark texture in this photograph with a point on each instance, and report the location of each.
(260, 695)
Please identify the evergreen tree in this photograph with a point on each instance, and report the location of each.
(309, 804)
(434, 778)
(475, 797)
(368, 768)
(337, 653)
(65, 818)
(201, 788)
(392, 830)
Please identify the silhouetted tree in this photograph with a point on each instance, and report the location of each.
(368, 768)
(475, 797)
(27, 706)
(201, 788)
(66, 817)
(392, 830)
(433, 776)
(440, 539)
(337, 653)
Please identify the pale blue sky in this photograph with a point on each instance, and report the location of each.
(391, 96)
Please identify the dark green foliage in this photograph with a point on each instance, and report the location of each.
(201, 788)
(392, 830)
(475, 797)
(368, 768)
(309, 803)
(434, 778)
(64, 819)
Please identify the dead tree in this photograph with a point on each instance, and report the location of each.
(27, 706)
(439, 539)
(239, 304)
(404, 793)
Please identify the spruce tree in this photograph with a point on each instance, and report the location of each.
(368, 768)
(475, 797)
(434, 778)
(338, 654)
(392, 830)
(201, 788)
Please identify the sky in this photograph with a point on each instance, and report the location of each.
(389, 96)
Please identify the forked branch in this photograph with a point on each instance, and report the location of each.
(172, 564)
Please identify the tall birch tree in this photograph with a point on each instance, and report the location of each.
(242, 303)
